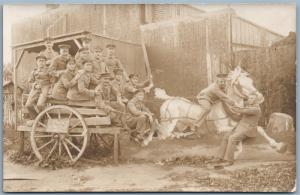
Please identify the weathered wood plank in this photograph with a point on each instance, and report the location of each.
(82, 111)
(92, 121)
(100, 130)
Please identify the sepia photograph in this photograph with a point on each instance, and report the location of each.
(149, 97)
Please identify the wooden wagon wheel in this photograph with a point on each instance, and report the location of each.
(59, 131)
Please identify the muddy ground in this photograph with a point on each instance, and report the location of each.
(170, 165)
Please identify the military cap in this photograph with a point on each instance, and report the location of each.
(87, 61)
(222, 75)
(133, 75)
(98, 48)
(40, 56)
(86, 39)
(64, 46)
(139, 91)
(83, 49)
(118, 71)
(110, 46)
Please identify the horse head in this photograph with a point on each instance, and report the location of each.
(242, 85)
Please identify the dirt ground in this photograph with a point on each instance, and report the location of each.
(169, 165)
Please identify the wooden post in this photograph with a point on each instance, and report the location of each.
(21, 133)
(208, 57)
(116, 148)
(146, 59)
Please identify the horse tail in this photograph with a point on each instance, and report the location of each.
(161, 94)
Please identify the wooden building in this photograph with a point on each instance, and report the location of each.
(189, 52)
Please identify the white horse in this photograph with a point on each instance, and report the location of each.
(181, 113)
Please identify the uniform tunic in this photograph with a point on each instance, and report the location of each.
(50, 55)
(40, 80)
(207, 97)
(247, 127)
(131, 87)
(58, 65)
(137, 121)
(108, 99)
(82, 91)
(65, 82)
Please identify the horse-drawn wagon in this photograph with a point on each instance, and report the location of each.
(65, 128)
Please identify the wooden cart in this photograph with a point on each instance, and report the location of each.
(64, 129)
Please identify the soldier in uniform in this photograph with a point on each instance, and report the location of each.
(120, 84)
(140, 118)
(208, 97)
(83, 56)
(99, 63)
(246, 128)
(86, 43)
(40, 80)
(112, 62)
(59, 63)
(109, 99)
(133, 85)
(49, 52)
(82, 91)
(66, 81)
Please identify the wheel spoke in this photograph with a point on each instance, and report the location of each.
(46, 144)
(68, 151)
(59, 148)
(75, 135)
(52, 150)
(71, 143)
(59, 116)
(71, 114)
(75, 125)
(48, 115)
(42, 124)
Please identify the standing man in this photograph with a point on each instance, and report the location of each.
(82, 91)
(99, 62)
(112, 62)
(140, 118)
(86, 43)
(49, 52)
(59, 63)
(40, 80)
(246, 128)
(208, 97)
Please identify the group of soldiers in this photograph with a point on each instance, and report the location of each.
(89, 75)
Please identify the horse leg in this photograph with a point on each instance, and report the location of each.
(280, 147)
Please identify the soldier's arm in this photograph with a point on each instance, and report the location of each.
(130, 88)
(133, 110)
(68, 84)
(253, 110)
(83, 90)
(94, 80)
(53, 67)
(224, 97)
